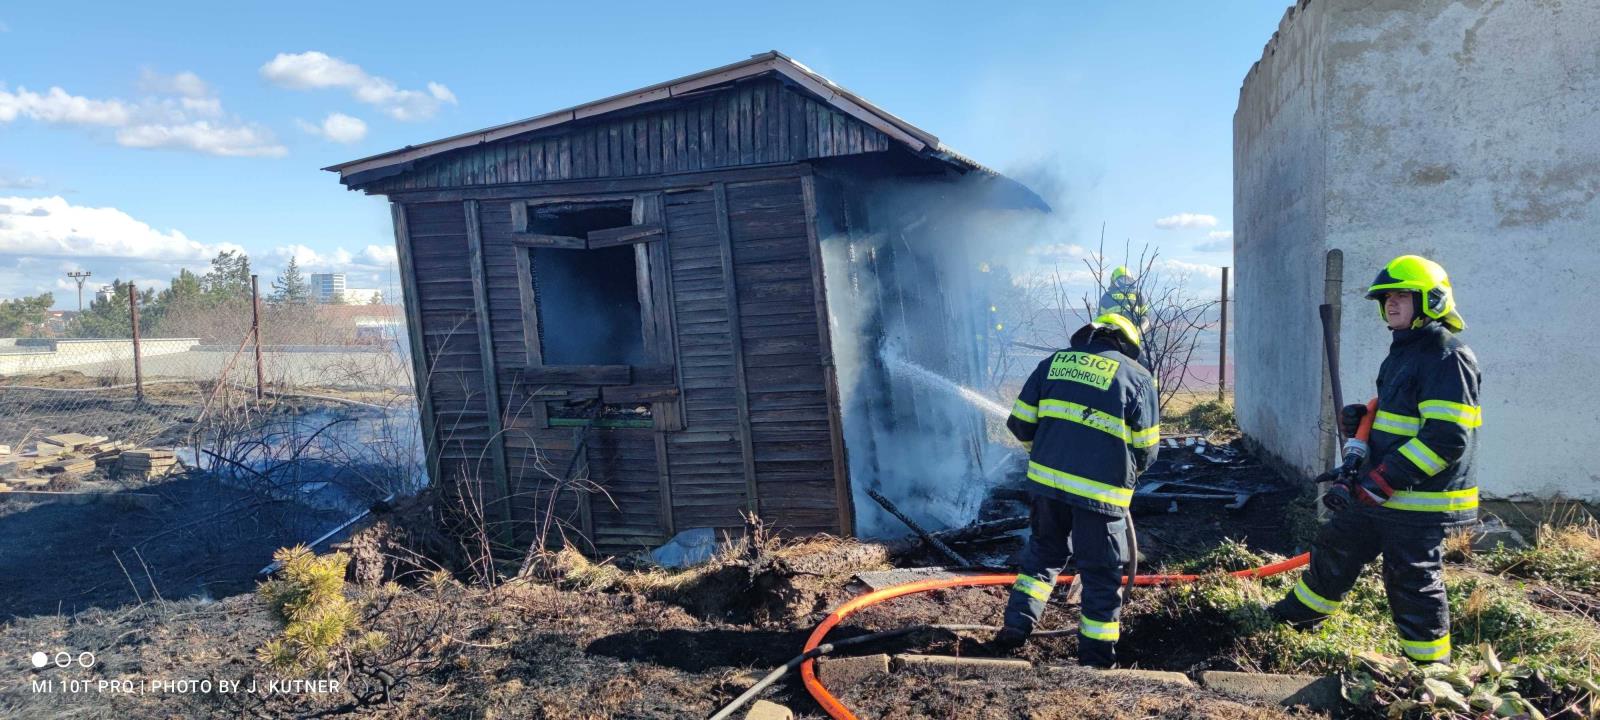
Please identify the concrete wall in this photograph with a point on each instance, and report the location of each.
(1279, 183)
(1467, 132)
(26, 356)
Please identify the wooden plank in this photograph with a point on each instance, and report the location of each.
(624, 235)
(843, 497)
(579, 374)
(565, 242)
(600, 186)
(496, 449)
(741, 391)
(530, 309)
(419, 363)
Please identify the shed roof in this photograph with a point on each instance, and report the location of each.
(916, 139)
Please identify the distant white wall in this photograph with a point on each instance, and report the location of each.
(32, 356)
(1467, 132)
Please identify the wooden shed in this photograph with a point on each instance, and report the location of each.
(617, 311)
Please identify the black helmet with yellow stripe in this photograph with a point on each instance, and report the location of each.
(1434, 297)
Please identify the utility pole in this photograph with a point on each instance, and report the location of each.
(138, 372)
(80, 276)
(255, 330)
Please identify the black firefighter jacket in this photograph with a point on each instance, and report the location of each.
(1425, 431)
(1091, 415)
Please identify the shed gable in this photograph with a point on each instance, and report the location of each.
(756, 122)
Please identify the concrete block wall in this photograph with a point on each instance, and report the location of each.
(1464, 131)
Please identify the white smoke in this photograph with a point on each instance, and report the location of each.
(910, 313)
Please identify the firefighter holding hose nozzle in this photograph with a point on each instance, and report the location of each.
(1399, 499)
(1090, 420)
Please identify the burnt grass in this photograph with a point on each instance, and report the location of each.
(597, 645)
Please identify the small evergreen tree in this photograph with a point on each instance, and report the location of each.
(291, 287)
(229, 278)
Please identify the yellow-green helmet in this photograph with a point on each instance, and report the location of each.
(1121, 325)
(1436, 300)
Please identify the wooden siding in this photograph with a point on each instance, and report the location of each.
(757, 122)
(737, 272)
(453, 370)
(705, 462)
(782, 355)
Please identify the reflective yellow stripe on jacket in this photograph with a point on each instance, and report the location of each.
(1467, 416)
(1146, 437)
(1449, 501)
(1423, 457)
(1025, 412)
(1084, 415)
(1395, 424)
(1081, 486)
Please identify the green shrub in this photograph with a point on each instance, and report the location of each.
(1210, 416)
(308, 598)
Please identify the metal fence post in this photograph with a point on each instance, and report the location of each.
(138, 372)
(1222, 347)
(255, 330)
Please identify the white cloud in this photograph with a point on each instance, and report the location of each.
(20, 182)
(381, 255)
(1188, 271)
(1220, 234)
(60, 107)
(309, 258)
(192, 121)
(1186, 220)
(316, 70)
(52, 227)
(337, 127)
(203, 136)
(186, 84)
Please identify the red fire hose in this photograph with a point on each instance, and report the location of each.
(838, 711)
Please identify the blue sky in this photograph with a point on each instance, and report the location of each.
(135, 140)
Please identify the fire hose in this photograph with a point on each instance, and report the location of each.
(814, 646)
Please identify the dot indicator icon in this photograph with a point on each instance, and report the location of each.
(40, 659)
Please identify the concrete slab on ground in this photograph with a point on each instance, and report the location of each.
(1313, 691)
(1160, 676)
(768, 710)
(880, 579)
(846, 671)
(962, 666)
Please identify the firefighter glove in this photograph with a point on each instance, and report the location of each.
(1350, 419)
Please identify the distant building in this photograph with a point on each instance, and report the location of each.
(326, 287)
(105, 294)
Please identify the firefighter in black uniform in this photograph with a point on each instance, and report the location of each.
(1416, 481)
(1089, 417)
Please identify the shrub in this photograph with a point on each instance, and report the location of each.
(1210, 416)
(308, 598)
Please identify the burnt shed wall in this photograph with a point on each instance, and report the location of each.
(757, 431)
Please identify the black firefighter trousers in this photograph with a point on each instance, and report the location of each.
(1413, 576)
(1098, 548)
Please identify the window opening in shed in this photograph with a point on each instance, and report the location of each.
(587, 299)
